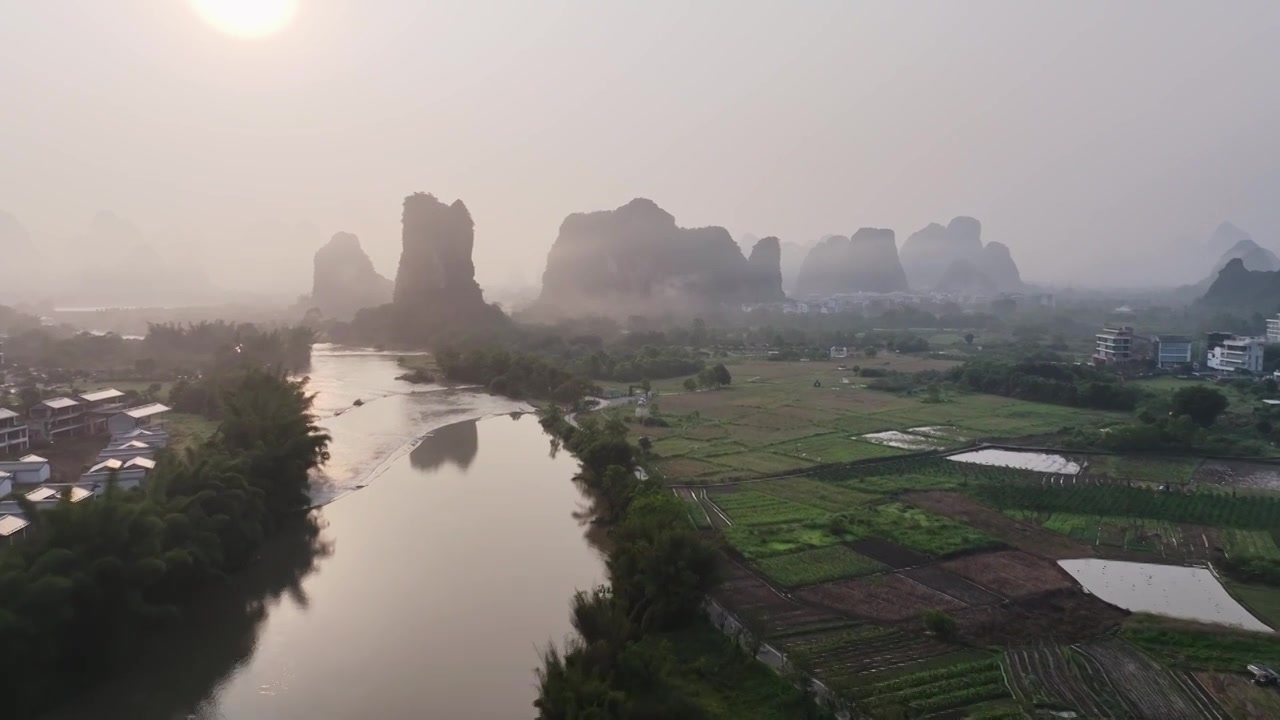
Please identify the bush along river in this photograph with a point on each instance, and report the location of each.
(445, 560)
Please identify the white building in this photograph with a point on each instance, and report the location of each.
(128, 473)
(47, 496)
(12, 527)
(143, 416)
(1273, 329)
(1114, 346)
(27, 470)
(1236, 353)
(6, 483)
(839, 353)
(13, 433)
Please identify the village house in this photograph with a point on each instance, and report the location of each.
(142, 417)
(13, 433)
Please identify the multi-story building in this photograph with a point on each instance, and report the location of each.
(1114, 346)
(57, 418)
(13, 433)
(1235, 353)
(1172, 351)
(1273, 329)
(99, 406)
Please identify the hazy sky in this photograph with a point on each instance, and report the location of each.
(1076, 131)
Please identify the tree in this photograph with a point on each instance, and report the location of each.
(690, 384)
(871, 352)
(939, 623)
(968, 338)
(1202, 404)
(721, 374)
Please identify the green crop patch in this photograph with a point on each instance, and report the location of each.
(834, 448)
(1198, 508)
(815, 566)
(1252, 543)
(824, 496)
(1144, 469)
(1200, 648)
(755, 508)
(763, 541)
(918, 529)
(762, 463)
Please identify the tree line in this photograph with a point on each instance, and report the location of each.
(620, 665)
(1049, 382)
(94, 580)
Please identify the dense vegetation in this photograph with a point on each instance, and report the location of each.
(514, 374)
(95, 579)
(622, 663)
(1051, 382)
(1214, 509)
(167, 351)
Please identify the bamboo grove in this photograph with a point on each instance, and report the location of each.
(96, 579)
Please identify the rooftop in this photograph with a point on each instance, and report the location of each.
(106, 466)
(99, 395)
(10, 524)
(6, 413)
(60, 402)
(1173, 339)
(46, 493)
(147, 410)
(32, 459)
(141, 462)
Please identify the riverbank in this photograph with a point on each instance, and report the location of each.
(467, 534)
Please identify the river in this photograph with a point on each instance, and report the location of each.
(438, 571)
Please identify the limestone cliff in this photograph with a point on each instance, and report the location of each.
(435, 257)
(956, 253)
(866, 262)
(636, 260)
(344, 280)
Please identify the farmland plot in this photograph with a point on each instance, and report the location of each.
(933, 576)
(824, 496)
(755, 508)
(883, 598)
(1054, 676)
(1023, 536)
(846, 658)
(937, 689)
(1154, 692)
(750, 598)
(815, 566)
(1011, 573)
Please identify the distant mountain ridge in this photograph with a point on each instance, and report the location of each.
(953, 259)
(636, 260)
(344, 280)
(1240, 290)
(867, 261)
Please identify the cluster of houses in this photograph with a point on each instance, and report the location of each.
(1222, 352)
(135, 434)
(1001, 303)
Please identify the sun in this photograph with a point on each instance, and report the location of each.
(247, 18)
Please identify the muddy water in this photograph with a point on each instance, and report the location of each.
(1181, 592)
(436, 575)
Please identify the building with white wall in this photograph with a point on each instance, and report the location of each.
(1273, 329)
(1235, 353)
(13, 433)
(1113, 346)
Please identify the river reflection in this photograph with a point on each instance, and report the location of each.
(456, 443)
(426, 594)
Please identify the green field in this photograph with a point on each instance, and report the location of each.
(1214, 509)
(1262, 601)
(820, 495)
(187, 430)
(1130, 533)
(773, 419)
(754, 508)
(814, 566)
(935, 690)
(756, 543)
(1255, 543)
(1201, 647)
(1144, 469)
(763, 535)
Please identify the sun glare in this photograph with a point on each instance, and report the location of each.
(247, 18)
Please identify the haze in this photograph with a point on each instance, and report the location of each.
(1085, 135)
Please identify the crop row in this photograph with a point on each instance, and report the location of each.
(926, 677)
(815, 566)
(1201, 508)
(754, 508)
